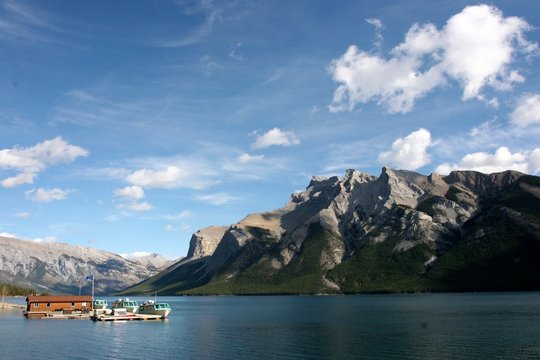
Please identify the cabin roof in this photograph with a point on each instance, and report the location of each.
(58, 298)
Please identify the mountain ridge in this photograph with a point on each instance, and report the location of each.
(342, 234)
(61, 268)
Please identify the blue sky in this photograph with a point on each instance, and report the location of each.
(129, 125)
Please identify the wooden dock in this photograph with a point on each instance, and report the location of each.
(56, 315)
(128, 317)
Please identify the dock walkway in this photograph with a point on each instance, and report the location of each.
(128, 317)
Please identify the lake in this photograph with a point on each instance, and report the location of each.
(408, 326)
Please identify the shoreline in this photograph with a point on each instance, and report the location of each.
(11, 306)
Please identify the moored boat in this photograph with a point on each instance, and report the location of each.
(150, 307)
(131, 306)
(99, 304)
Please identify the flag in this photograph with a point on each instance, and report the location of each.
(89, 277)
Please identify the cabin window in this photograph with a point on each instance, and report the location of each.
(48, 304)
(72, 304)
(36, 304)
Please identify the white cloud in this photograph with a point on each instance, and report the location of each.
(28, 162)
(216, 199)
(503, 159)
(22, 178)
(130, 192)
(135, 206)
(167, 178)
(475, 48)
(409, 152)
(534, 161)
(247, 158)
(8, 235)
(183, 227)
(46, 239)
(276, 137)
(365, 77)
(135, 255)
(47, 195)
(479, 44)
(527, 111)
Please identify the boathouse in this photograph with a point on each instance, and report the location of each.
(37, 306)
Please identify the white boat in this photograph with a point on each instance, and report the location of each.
(150, 307)
(131, 306)
(99, 304)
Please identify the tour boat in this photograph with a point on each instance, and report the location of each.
(99, 304)
(131, 306)
(150, 307)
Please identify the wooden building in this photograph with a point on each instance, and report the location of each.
(40, 306)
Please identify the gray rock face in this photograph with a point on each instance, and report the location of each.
(61, 268)
(359, 208)
(153, 262)
(204, 242)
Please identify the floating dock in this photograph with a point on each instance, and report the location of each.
(57, 315)
(127, 317)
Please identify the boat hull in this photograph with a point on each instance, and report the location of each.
(162, 313)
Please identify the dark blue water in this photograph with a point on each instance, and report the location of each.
(419, 326)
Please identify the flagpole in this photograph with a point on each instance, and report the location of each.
(92, 291)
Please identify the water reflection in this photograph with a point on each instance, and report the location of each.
(374, 326)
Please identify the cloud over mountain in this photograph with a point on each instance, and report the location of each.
(502, 159)
(409, 152)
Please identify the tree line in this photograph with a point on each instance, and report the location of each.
(14, 290)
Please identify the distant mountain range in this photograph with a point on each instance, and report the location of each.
(61, 268)
(398, 232)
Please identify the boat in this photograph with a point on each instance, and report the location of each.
(150, 307)
(131, 306)
(99, 304)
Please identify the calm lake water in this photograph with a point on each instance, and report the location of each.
(415, 326)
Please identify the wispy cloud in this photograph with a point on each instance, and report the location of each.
(22, 214)
(181, 215)
(234, 53)
(19, 20)
(110, 107)
(212, 12)
(136, 206)
(379, 27)
(182, 227)
(216, 199)
(47, 195)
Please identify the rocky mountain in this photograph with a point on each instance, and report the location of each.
(400, 231)
(61, 268)
(153, 262)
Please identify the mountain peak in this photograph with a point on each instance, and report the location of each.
(367, 233)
